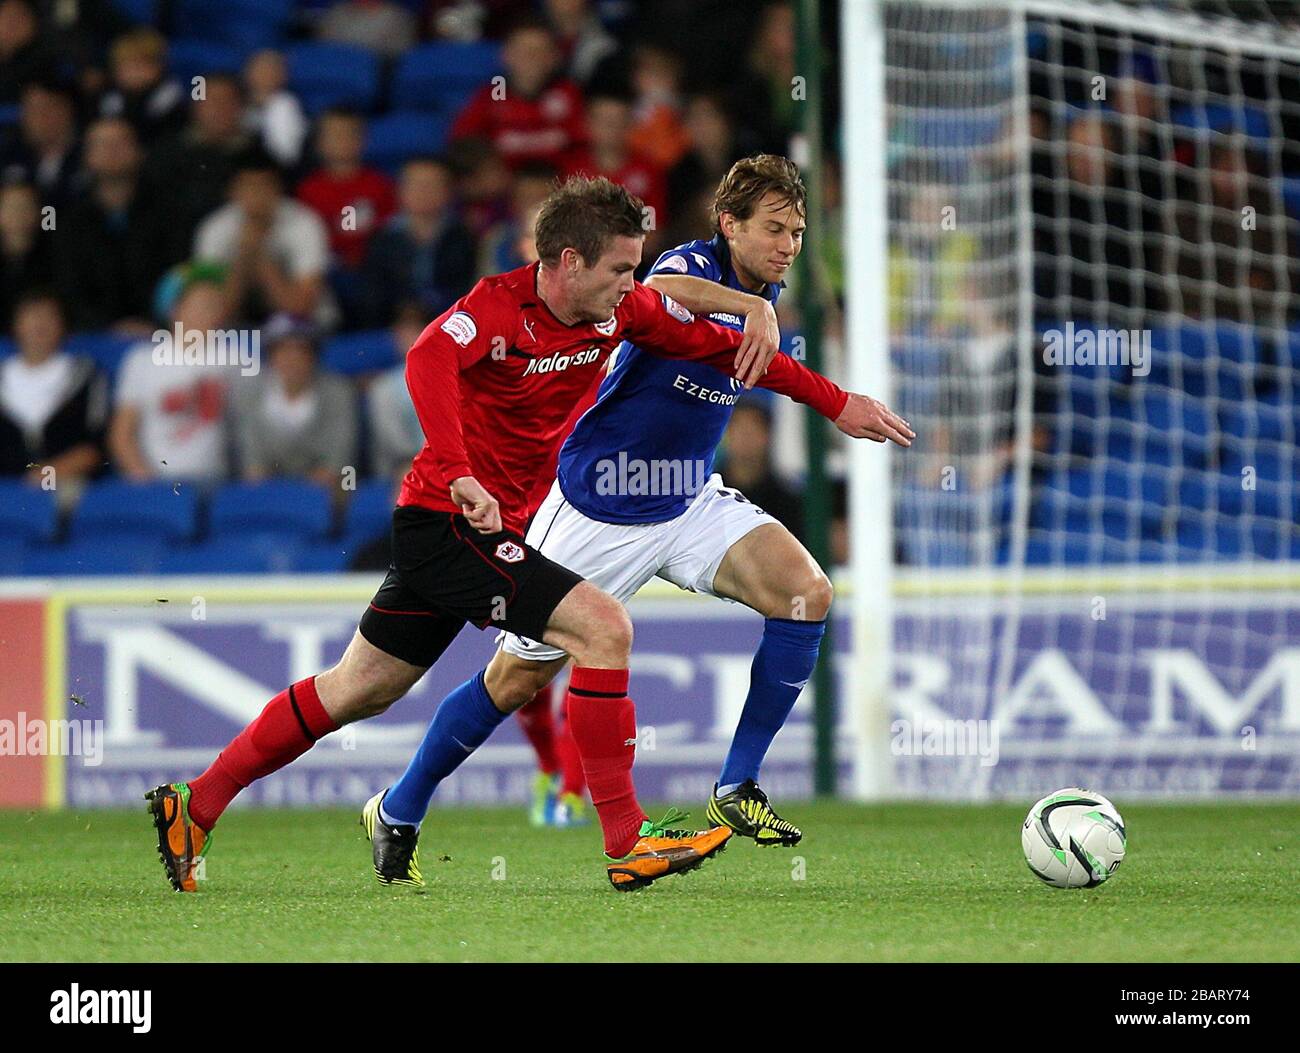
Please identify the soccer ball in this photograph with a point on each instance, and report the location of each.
(1073, 838)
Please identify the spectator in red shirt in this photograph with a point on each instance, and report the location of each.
(610, 153)
(352, 199)
(536, 114)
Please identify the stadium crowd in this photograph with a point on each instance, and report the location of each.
(326, 178)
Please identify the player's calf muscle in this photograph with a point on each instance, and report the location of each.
(512, 682)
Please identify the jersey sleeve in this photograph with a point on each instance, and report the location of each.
(682, 260)
(662, 326)
(800, 384)
(454, 341)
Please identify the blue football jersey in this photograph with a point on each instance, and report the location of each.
(645, 448)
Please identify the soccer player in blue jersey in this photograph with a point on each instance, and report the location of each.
(635, 497)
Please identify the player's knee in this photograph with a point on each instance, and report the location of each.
(816, 593)
(808, 599)
(609, 638)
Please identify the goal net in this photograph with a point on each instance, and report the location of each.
(1091, 299)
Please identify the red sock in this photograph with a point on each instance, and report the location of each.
(539, 725)
(566, 750)
(286, 729)
(603, 721)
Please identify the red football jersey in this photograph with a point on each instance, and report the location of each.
(369, 192)
(544, 128)
(495, 379)
(639, 175)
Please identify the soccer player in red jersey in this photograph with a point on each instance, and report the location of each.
(494, 381)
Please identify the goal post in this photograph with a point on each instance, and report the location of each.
(867, 691)
(1071, 236)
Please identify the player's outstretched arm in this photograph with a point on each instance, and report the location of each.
(761, 340)
(866, 418)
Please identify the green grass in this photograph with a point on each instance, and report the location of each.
(907, 882)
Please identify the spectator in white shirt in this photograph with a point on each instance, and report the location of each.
(170, 418)
(274, 114)
(276, 248)
(52, 404)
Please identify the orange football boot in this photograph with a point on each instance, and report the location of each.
(182, 843)
(662, 851)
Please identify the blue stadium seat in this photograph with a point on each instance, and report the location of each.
(1210, 538)
(370, 512)
(138, 10)
(27, 513)
(9, 114)
(97, 556)
(256, 554)
(189, 57)
(396, 137)
(116, 508)
(1210, 491)
(1291, 196)
(1266, 418)
(1238, 118)
(327, 558)
(324, 75)
(107, 350)
(277, 507)
(364, 352)
(442, 76)
(247, 23)
(7, 347)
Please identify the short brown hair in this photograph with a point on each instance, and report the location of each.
(586, 215)
(750, 179)
(143, 43)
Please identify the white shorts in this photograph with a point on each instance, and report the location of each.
(621, 557)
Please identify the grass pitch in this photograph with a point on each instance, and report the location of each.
(903, 882)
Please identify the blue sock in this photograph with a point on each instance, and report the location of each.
(782, 666)
(461, 725)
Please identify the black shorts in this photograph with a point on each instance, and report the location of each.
(444, 573)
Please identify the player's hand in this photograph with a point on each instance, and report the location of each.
(866, 418)
(761, 343)
(476, 504)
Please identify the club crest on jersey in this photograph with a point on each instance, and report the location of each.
(677, 310)
(461, 328)
(509, 552)
(558, 363)
(607, 328)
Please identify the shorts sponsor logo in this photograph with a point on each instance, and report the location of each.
(509, 552)
(461, 328)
